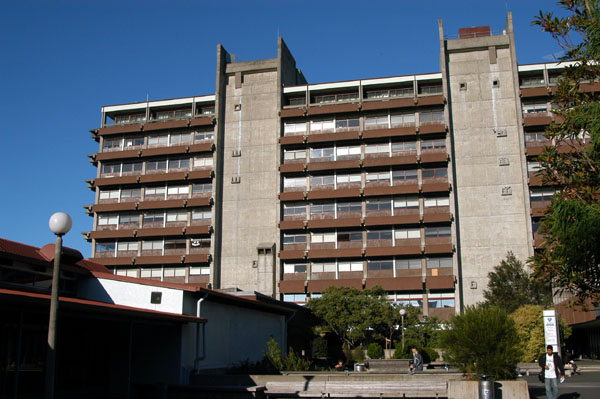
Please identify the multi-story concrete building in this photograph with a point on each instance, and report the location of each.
(420, 184)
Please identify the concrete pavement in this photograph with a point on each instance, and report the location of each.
(585, 385)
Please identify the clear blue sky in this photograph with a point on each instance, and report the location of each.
(62, 60)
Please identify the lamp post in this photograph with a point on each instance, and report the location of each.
(402, 313)
(60, 223)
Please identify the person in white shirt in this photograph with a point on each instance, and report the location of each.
(552, 367)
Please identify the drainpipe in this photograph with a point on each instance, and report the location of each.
(198, 327)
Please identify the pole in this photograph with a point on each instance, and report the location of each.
(51, 354)
(402, 333)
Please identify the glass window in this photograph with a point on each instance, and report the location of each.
(406, 264)
(322, 125)
(431, 115)
(535, 137)
(176, 190)
(323, 267)
(109, 194)
(289, 182)
(345, 151)
(180, 139)
(433, 144)
(199, 270)
(180, 163)
(407, 201)
(378, 176)
(380, 148)
(132, 167)
(387, 264)
(349, 123)
(322, 154)
(431, 89)
(403, 234)
(294, 128)
(112, 168)
(294, 268)
(437, 231)
(158, 164)
(436, 201)
(134, 142)
(434, 263)
(202, 161)
(155, 191)
(321, 180)
(316, 209)
(429, 173)
(107, 219)
(350, 266)
(162, 139)
(294, 238)
(294, 154)
(379, 205)
(379, 234)
(294, 209)
(105, 246)
(322, 237)
(296, 298)
(297, 101)
(404, 175)
(111, 144)
(376, 122)
(349, 236)
(176, 216)
(203, 136)
(131, 193)
(534, 107)
(402, 119)
(404, 146)
(175, 243)
(353, 178)
(343, 207)
(153, 217)
(126, 218)
(541, 194)
(200, 243)
(201, 188)
(127, 246)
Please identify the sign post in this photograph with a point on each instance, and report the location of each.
(551, 332)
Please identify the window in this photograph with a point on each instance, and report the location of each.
(406, 264)
(127, 246)
(438, 231)
(294, 128)
(350, 123)
(350, 266)
(383, 234)
(294, 154)
(180, 139)
(294, 268)
(349, 236)
(535, 137)
(380, 148)
(107, 219)
(318, 209)
(376, 122)
(207, 110)
(154, 272)
(200, 243)
(534, 107)
(134, 142)
(201, 188)
(178, 114)
(344, 207)
(432, 89)
(322, 180)
(154, 191)
(322, 154)
(174, 272)
(111, 144)
(398, 92)
(430, 173)
(203, 136)
(434, 263)
(414, 300)
(441, 300)
(541, 194)
(175, 243)
(379, 205)
(431, 115)
(178, 190)
(402, 119)
(404, 175)
(436, 201)
(433, 144)
(322, 125)
(532, 80)
(129, 118)
(387, 264)
(297, 101)
(176, 216)
(201, 214)
(323, 267)
(322, 237)
(200, 162)
(111, 168)
(181, 163)
(346, 151)
(132, 167)
(148, 245)
(199, 270)
(378, 176)
(404, 146)
(105, 246)
(354, 178)
(290, 182)
(153, 217)
(158, 164)
(331, 98)
(131, 193)
(534, 166)
(294, 209)
(289, 239)
(296, 298)
(129, 218)
(408, 201)
(109, 194)
(405, 234)
(162, 139)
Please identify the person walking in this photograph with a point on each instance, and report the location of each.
(553, 370)
(417, 363)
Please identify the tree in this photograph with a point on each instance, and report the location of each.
(571, 227)
(530, 327)
(510, 286)
(482, 340)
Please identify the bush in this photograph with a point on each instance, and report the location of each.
(374, 351)
(429, 355)
(319, 347)
(406, 354)
(358, 354)
(292, 362)
(483, 340)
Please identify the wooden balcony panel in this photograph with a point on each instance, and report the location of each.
(396, 284)
(198, 230)
(162, 177)
(391, 190)
(119, 206)
(286, 254)
(334, 223)
(536, 180)
(105, 131)
(202, 147)
(320, 285)
(431, 157)
(160, 125)
(159, 232)
(104, 156)
(432, 128)
(391, 251)
(439, 282)
(178, 149)
(291, 225)
(537, 120)
(539, 209)
(392, 220)
(335, 253)
(431, 249)
(388, 104)
(101, 234)
(291, 167)
(435, 187)
(200, 174)
(125, 260)
(292, 112)
(590, 87)
(533, 150)
(114, 181)
(534, 92)
(165, 204)
(350, 275)
(328, 194)
(325, 137)
(430, 100)
(388, 161)
(296, 139)
(433, 215)
(331, 109)
(292, 286)
(444, 314)
(199, 201)
(202, 121)
(197, 258)
(294, 276)
(291, 196)
(393, 132)
(158, 260)
(334, 165)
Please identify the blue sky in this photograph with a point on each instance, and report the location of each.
(62, 60)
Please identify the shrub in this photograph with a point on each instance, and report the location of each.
(429, 355)
(483, 340)
(358, 354)
(374, 351)
(319, 347)
(292, 362)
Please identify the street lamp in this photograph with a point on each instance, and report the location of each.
(402, 313)
(60, 223)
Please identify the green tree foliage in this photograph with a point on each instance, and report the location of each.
(510, 286)
(291, 362)
(482, 340)
(374, 351)
(319, 347)
(530, 327)
(571, 227)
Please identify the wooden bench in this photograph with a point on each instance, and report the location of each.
(358, 389)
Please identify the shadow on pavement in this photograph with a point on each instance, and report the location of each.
(540, 392)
